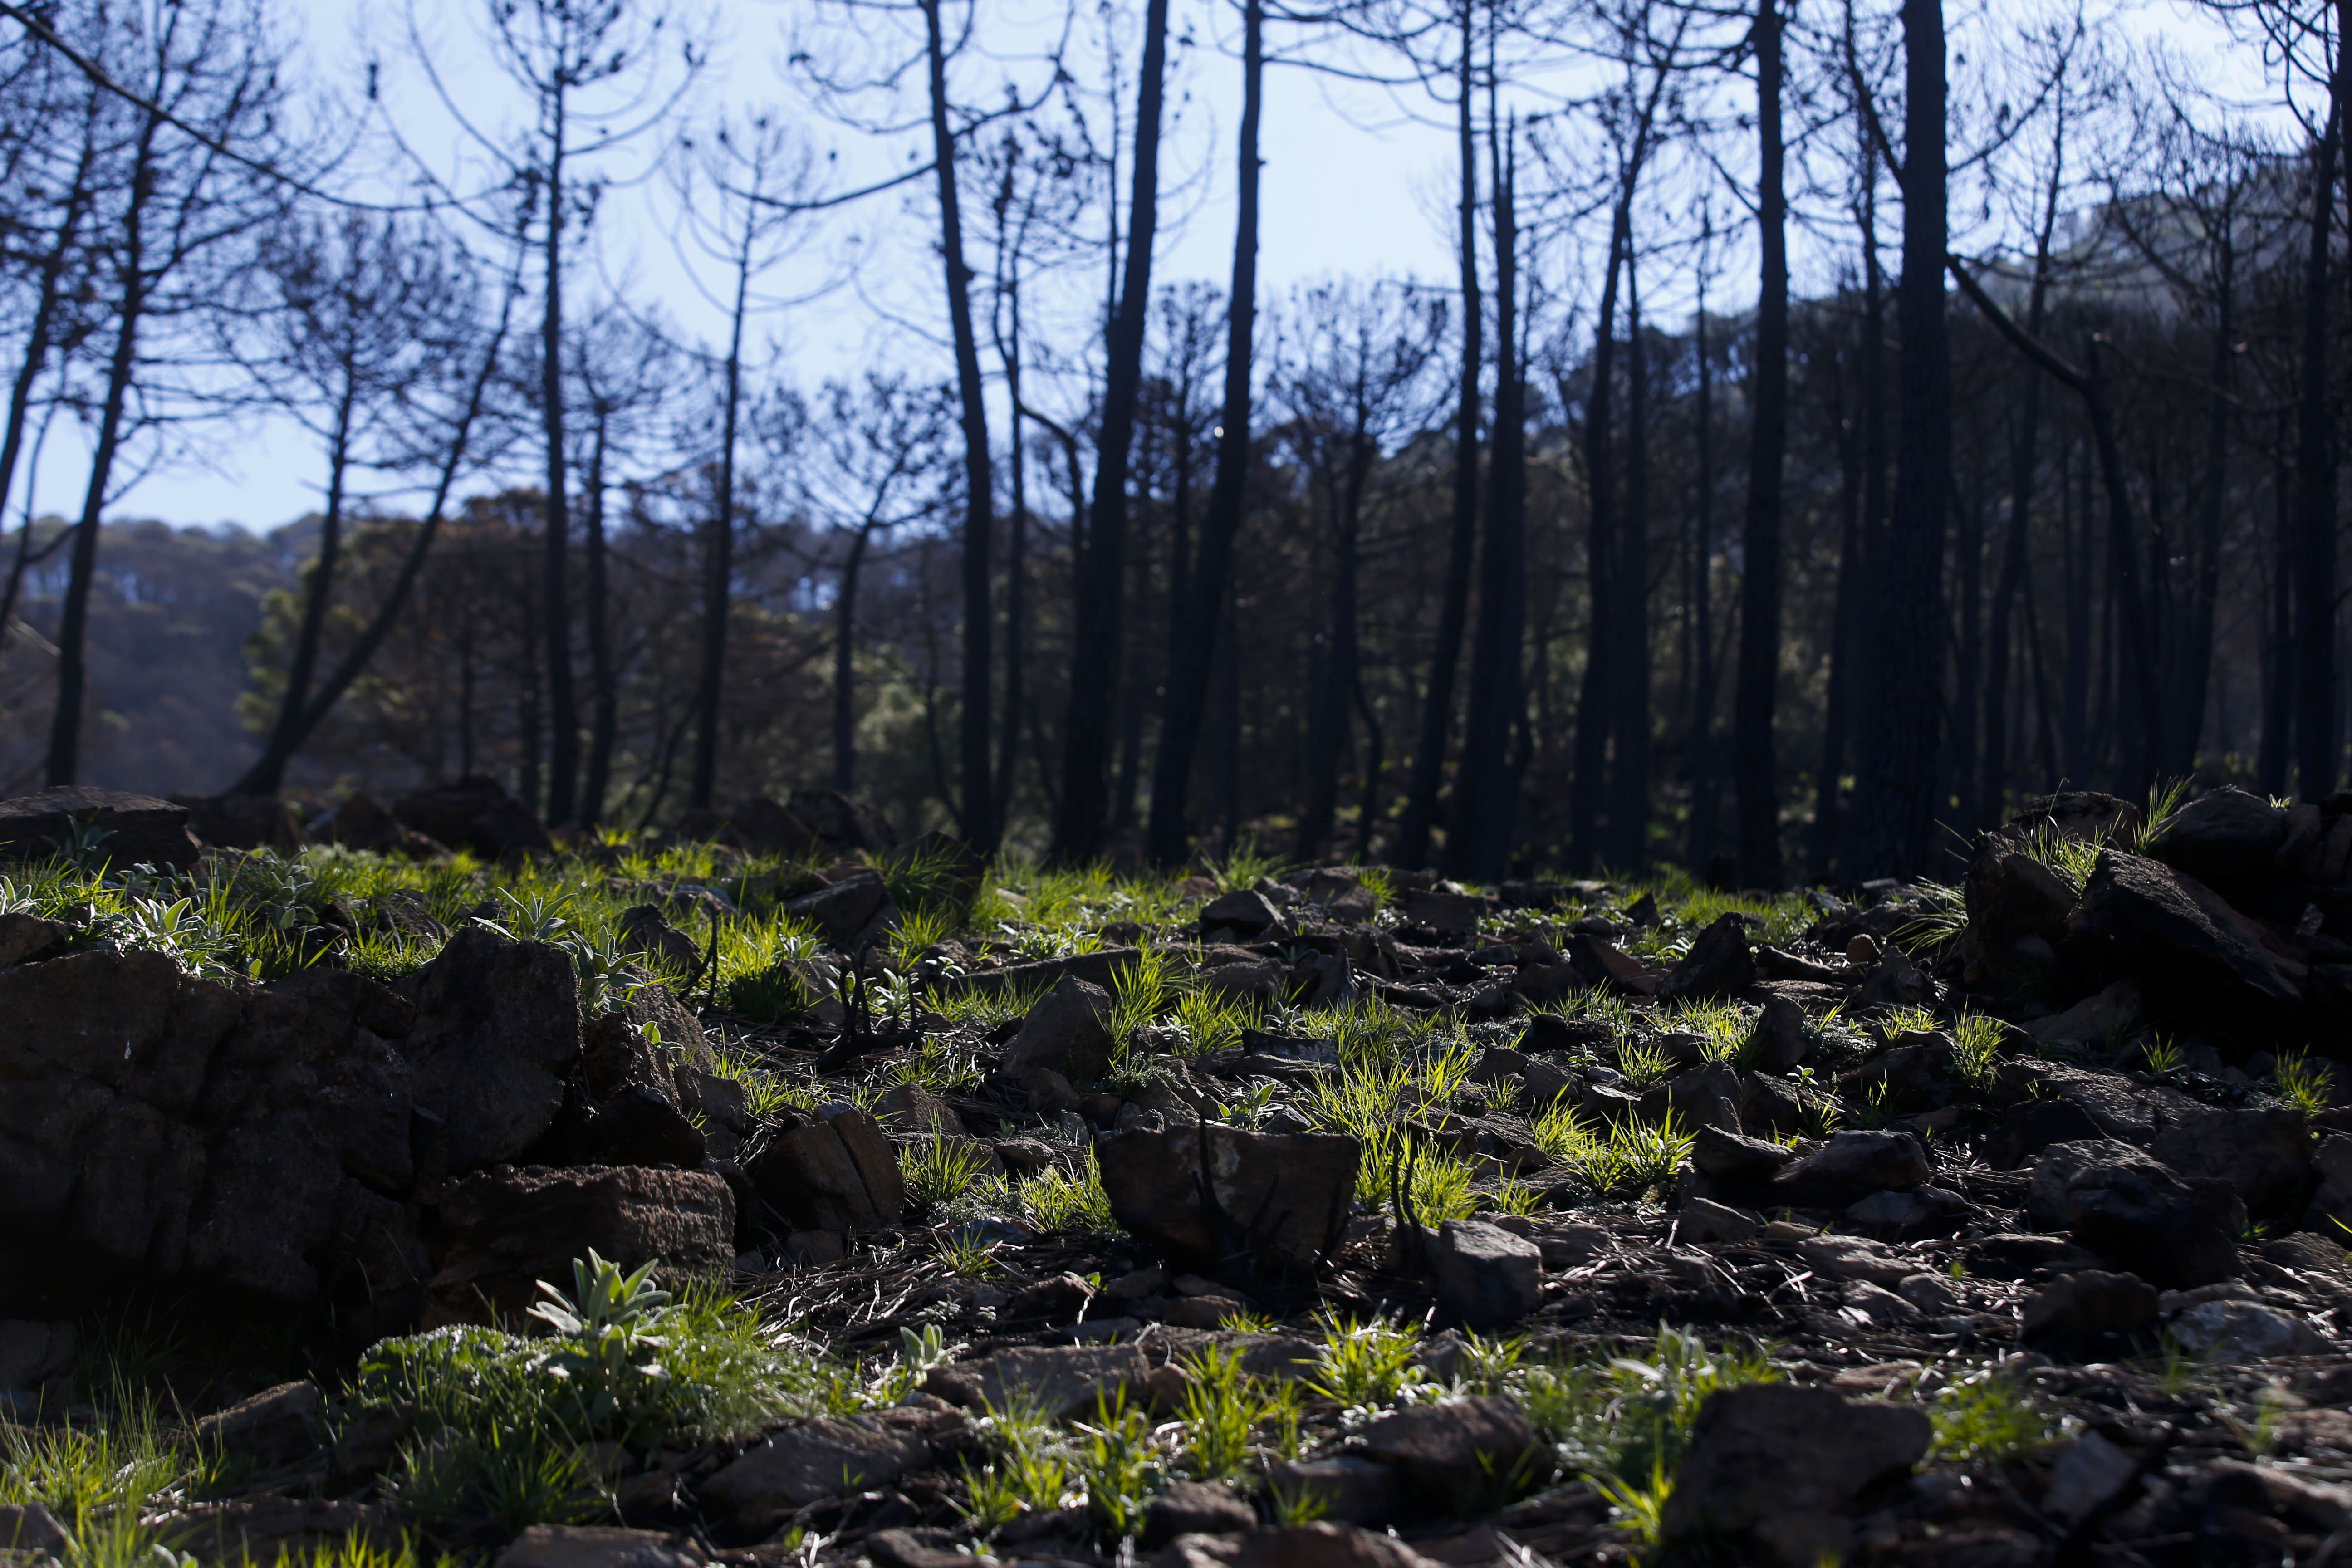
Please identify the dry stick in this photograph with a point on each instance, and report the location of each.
(354, 662)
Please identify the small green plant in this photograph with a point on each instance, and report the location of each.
(1222, 1409)
(2303, 1083)
(1640, 1509)
(938, 1172)
(1118, 1463)
(1140, 990)
(1059, 1203)
(1989, 1420)
(1976, 1047)
(2163, 1053)
(1942, 919)
(1644, 1065)
(497, 1483)
(937, 1066)
(1244, 1109)
(1363, 1362)
(965, 1255)
(2071, 860)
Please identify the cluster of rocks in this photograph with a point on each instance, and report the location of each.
(1883, 1202)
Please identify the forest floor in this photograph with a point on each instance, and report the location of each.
(1671, 1225)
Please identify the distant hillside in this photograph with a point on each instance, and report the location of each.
(170, 612)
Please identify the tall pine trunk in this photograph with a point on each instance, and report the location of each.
(1628, 773)
(1101, 582)
(1585, 792)
(603, 696)
(1759, 591)
(1480, 837)
(977, 817)
(555, 587)
(1895, 805)
(1454, 609)
(1200, 598)
(73, 619)
(2315, 563)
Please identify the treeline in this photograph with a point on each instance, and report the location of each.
(1617, 546)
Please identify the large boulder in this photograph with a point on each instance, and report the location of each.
(844, 911)
(1783, 1465)
(2177, 937)
(829, 1456)
(1486, 1275)
(1851, 1166)
(2122, 1203)
(2012, 897)
(2229, 839)
(830, 1170)
(123, 829)
(841, 824)
(1443, 1453)
(363, 823)
(244, 821)
(236, 1143)
(2263, 1156)
(503, 1231)
(1068, 1032)
(476, 814)
(497, 1032)
(1718, 964)
(1214, 1194)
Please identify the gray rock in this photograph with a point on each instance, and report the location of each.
(24, 937)
(1068, 1032)
(2141, 917)
(1455, 912)
(844, 911)
(1486, 1275)
(2228, 837)
(1443, 1452)
(910, 1109)
(597, 1546)
(139, 829)
(1706, 1095)
(1195, 1508)
(1703, 1220)
(2089, 1473)
(1063, 1382)
(830, 1170)
(1280, 1198)
(507, 1229)
(830, 1456)
(1780, 1041)
(645, 930)
(1245, 910)
(201, 1137)
(2231, 1330)
(1854, 1257)
(2088, 1303)
(1321, 1544)
(274, 1428)
(1932, 1294)
(2264, 1156)
(498, 1026)
(1782, 1464)
(32, 1352)
(1852, 1165)
(1718, 964)
(1728, 1157)
(2122, 1204)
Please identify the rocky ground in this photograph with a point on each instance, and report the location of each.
(406, 1184)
